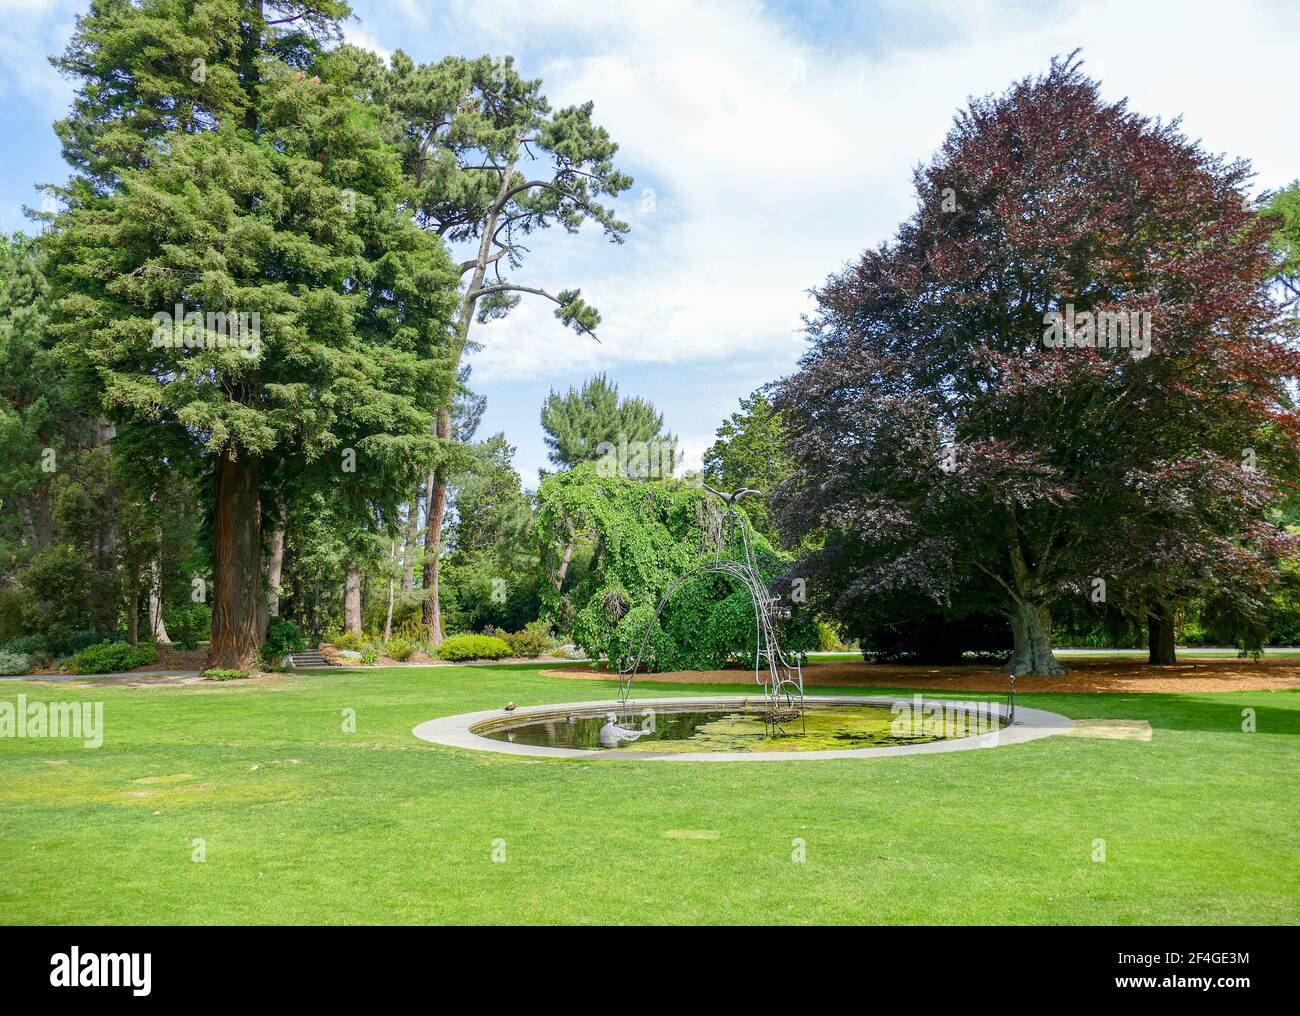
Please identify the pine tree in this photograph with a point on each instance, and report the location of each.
(490, 162)
(577, 423)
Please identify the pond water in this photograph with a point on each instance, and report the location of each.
(713, 728)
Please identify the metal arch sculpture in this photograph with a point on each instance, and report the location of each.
(781, 679)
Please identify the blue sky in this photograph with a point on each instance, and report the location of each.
(770, 142)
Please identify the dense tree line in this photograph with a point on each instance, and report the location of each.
(246, 321)
(1059, 403)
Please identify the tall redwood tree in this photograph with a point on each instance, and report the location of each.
(224, 166)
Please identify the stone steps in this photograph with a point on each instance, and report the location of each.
(309, 660)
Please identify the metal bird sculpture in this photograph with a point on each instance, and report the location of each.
(732, 498)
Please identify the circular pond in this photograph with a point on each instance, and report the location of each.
(732, 729)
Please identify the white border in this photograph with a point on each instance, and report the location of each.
(456, 731)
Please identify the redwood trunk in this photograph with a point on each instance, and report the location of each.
(1031, 627)
(352, 600)
(1161, 636)
(236, 563)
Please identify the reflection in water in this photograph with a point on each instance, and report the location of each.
(850, 726)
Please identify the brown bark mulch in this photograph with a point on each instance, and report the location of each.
(1085, 675)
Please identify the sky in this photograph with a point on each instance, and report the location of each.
(771, 143)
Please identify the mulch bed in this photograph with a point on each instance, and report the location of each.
(1091, 676)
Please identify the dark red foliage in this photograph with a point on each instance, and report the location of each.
(1071, 463)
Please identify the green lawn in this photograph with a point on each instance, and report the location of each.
(305, 823)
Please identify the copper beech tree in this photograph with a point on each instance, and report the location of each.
(1065, 375)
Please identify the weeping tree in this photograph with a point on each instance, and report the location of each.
(1066, 367)
(592, 423)
(642, 537)
(237, 282)
(488, 163)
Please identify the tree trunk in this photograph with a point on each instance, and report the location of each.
(315, 611)
(352, 600)
(156, 627)
(236, 563)
(133, 616)
(274, 573)
(565, 561)
(1031, 627)
(1161, 636)
(436, 499)
(436, 490)
(388, 621)
(408, 544)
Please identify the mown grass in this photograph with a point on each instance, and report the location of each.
(304, 822)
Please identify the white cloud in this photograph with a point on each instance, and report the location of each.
(29, 8)
(774, 160)
(690, 451)
(33, 30)
(359, 36)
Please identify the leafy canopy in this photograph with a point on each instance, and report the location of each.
(941, 447)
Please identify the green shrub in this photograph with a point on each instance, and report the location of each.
(28, 645)
(188, 626)
(18, 612)
(218, 674)
(532, 642)
(52, 643)
(112, 657)
(473, 647)
(69, 590)
(14, 663)
(347, 640)
(369, 656)
(399, 649)
(283, 638)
